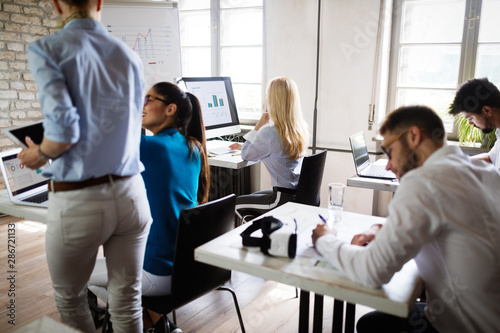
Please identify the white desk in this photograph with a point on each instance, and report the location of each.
(373, 183)
(228, 173)
(230, 160)
(377, 185)
(24, 212)
(308, 273)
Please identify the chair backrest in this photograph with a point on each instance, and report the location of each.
(198, 225)
(311, 175)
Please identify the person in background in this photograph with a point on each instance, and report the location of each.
(478, 100)
(91, 94)
(445, 216)
(279, 146)
(176, 178)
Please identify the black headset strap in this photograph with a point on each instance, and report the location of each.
(249, 240)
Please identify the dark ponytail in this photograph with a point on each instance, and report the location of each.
(196, 132)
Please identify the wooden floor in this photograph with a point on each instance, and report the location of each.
(266, 306)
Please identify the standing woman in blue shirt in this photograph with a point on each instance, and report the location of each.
(91, 95)
(176, 178)
(279, 146)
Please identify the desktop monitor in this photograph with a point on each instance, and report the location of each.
(217, 104)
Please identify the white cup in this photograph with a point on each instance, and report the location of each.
(335, 202)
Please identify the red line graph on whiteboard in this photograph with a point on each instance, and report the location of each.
(137, 38)
(157, 78)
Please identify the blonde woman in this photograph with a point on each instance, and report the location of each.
(280, 145)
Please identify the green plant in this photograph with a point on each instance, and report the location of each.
(468, 135)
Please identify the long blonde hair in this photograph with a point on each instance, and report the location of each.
(283, 103)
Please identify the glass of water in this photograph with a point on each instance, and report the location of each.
(335, 202)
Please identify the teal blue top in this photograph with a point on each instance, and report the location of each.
(171, 179)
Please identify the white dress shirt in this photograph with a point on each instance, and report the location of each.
(446, 215)
(494, 153)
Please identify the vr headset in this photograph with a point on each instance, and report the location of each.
(278, 238)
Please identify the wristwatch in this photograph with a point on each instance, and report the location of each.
(42, 155)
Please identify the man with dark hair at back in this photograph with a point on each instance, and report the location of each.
(479, 101)
(445, 216)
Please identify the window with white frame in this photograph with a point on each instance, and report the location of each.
(225, 38)
(437, 45)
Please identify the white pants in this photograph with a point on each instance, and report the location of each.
(152, 285)
(115, 215)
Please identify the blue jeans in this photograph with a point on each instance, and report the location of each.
(115, 215)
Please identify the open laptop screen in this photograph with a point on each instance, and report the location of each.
(359, 149)
(20, 178)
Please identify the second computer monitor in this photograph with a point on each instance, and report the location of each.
(217, 104)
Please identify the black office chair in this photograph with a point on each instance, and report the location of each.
(309, 186)
(192, 279)
(308, 189)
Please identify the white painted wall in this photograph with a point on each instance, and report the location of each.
(347, 52)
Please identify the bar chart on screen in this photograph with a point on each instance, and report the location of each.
(213, 97)
(153, 33)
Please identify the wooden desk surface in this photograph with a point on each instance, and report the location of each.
(38, 214)
(309, 271)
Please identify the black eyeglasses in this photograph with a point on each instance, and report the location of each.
(391, 141)
(150, 98)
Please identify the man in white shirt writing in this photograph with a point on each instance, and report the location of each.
(445, 216)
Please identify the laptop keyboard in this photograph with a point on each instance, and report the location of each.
(377, 171)
(39, 198)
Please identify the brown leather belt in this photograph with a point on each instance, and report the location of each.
(70, 186)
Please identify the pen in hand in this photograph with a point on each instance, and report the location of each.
(322, 218)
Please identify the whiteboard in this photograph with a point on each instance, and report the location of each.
(153, 33)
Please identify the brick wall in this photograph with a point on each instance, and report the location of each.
(21, 22)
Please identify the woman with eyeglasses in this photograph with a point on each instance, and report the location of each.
(279, 146)
(176, 176)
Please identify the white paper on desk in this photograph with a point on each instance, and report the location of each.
(305, 248)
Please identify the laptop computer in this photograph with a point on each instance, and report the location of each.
(362, 161)
(24, 186)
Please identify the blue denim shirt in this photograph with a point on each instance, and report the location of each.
(91, 94)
